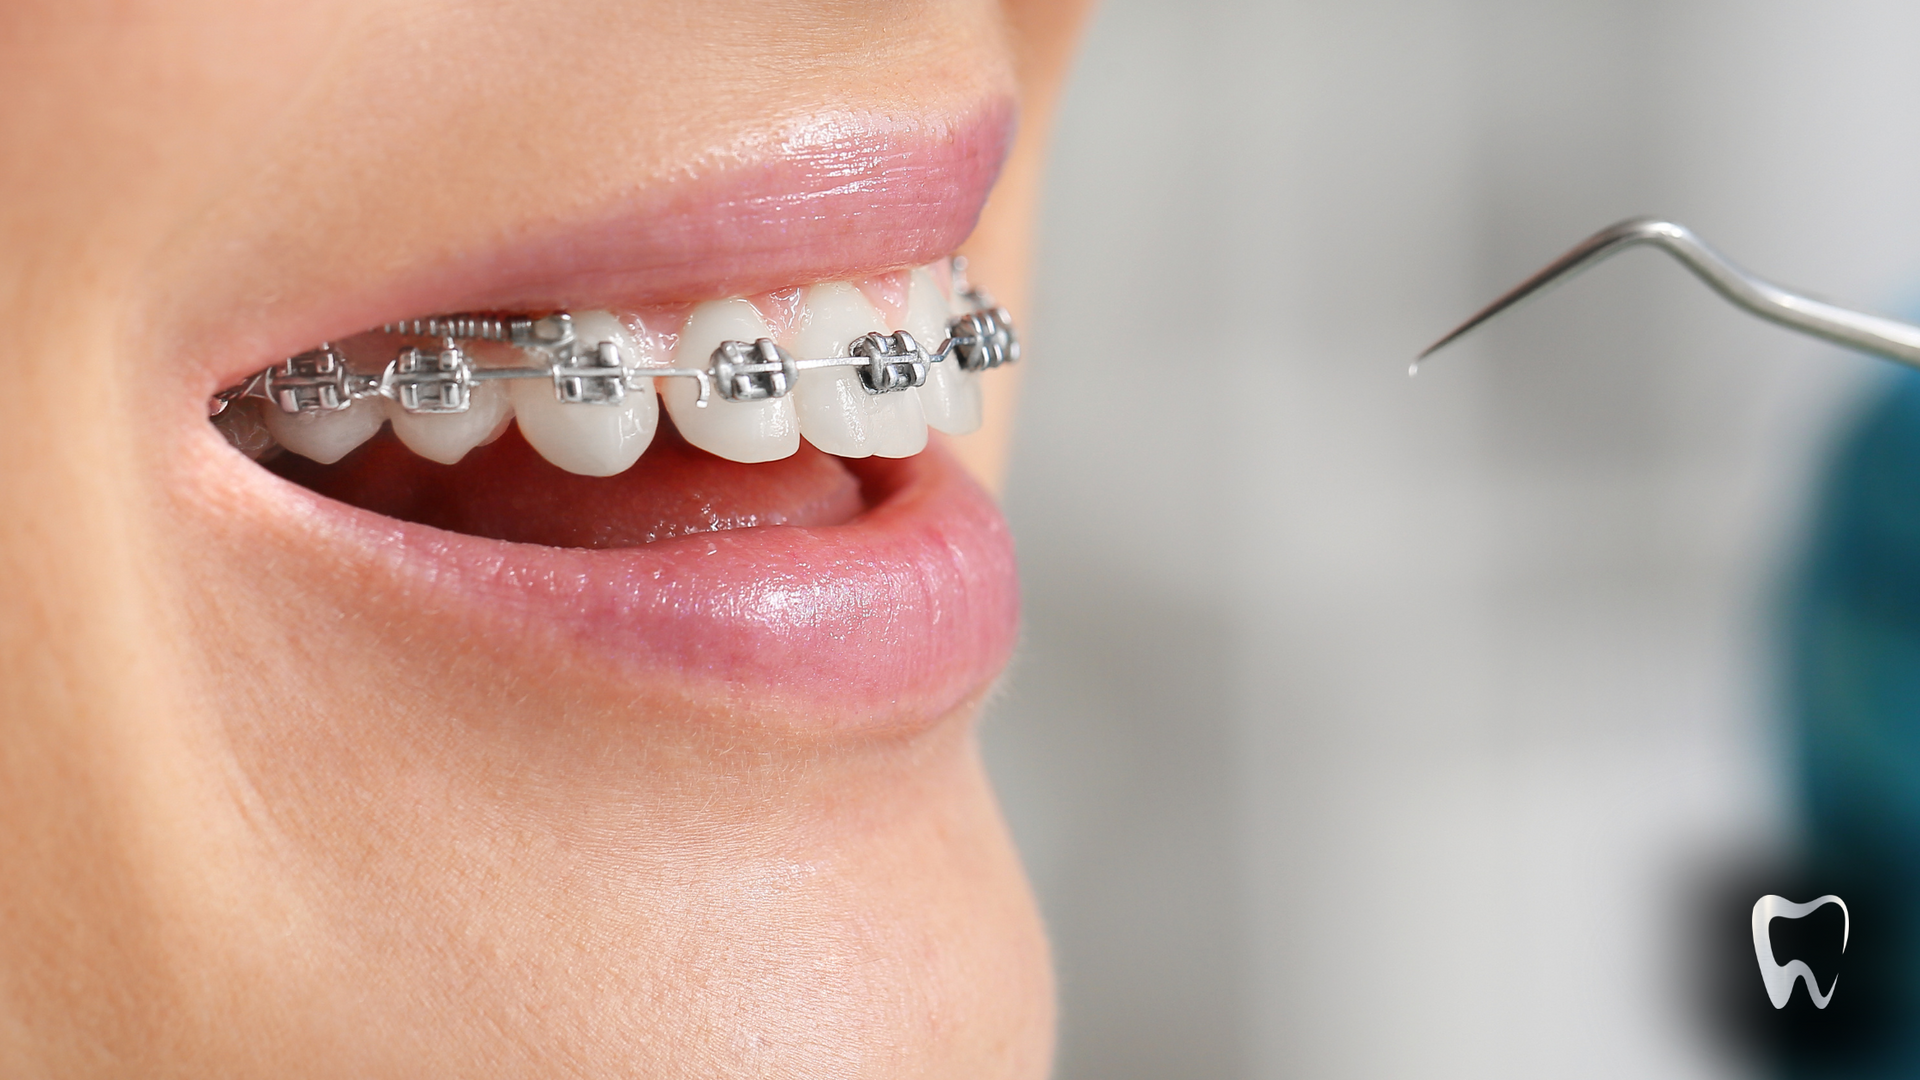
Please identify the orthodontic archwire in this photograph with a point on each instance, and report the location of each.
(1874, 334)
(441, 380)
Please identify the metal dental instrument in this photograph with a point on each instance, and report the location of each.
(441, 379)
(1875, 334)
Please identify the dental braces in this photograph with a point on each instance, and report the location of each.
(441, 381)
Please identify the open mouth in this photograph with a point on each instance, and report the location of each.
(738, 507)
(766, 402)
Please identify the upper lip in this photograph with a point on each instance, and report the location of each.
(841, 196)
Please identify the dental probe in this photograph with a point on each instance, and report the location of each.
(441, 380)
(1875, 334)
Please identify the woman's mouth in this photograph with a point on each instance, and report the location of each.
(741, 397)
(731, 506)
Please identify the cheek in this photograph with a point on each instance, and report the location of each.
(848, 912)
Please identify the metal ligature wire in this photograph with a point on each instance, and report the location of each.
(1874, 334)
(440, 377)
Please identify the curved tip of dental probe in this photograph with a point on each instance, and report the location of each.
(1881, 336)
(1598, 246)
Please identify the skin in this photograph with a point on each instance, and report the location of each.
(240, 837)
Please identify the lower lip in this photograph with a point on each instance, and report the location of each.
(888, 622)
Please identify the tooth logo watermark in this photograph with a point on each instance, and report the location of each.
(1778, 977)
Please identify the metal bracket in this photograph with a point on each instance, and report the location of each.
(894, 362)
(430, 382)
(752, 372)
(313, 382)
(597, 378)
(983, 339)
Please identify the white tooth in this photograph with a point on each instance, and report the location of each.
(591, 440)
(329, 436)
(446, 437)
(951, 396)
(836, 412)
(735, 430)
(245, 429)
(506, 421)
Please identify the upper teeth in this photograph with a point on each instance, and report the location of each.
(732, 383)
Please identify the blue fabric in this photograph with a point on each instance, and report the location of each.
(1854, 692)
(1856, 643)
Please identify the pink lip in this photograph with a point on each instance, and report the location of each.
(845, 197)
(888, 622)
(842, 197)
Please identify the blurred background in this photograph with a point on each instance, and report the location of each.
(1367, 726)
